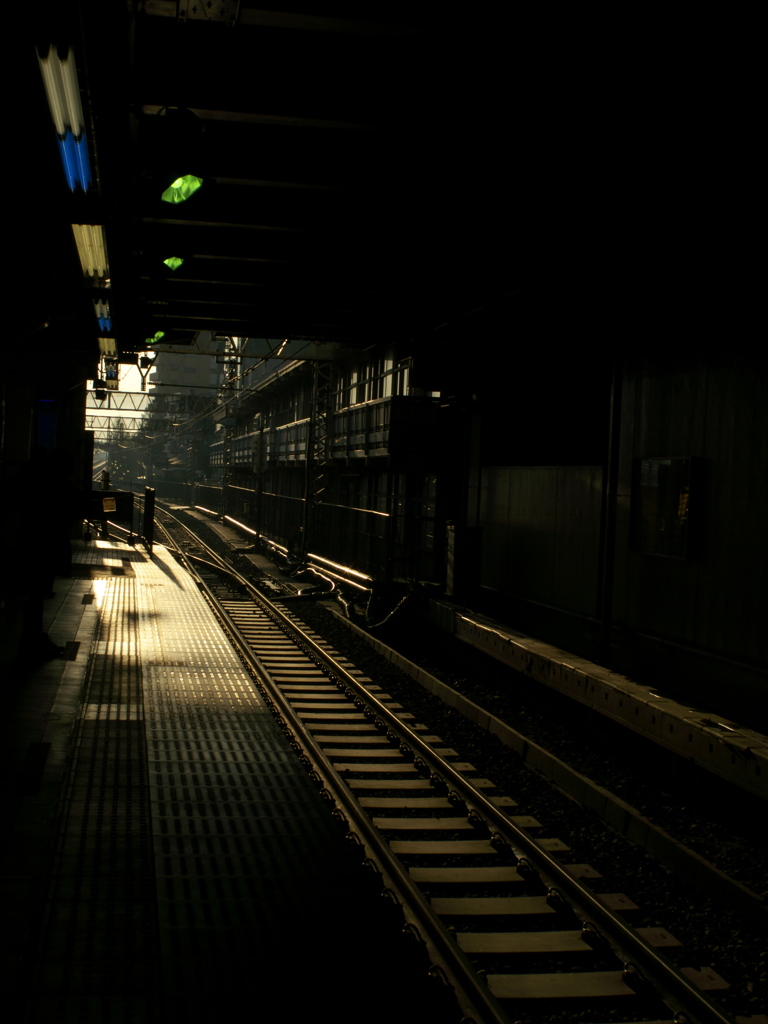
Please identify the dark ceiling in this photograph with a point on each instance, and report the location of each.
(366, 176)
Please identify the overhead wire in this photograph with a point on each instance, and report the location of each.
(215, 402)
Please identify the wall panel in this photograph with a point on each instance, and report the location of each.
(715, 410)
(541, 532)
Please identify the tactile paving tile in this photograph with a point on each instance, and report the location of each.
(100, 942)
(242, 841)
(194, 854)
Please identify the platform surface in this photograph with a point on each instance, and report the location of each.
(168, 856)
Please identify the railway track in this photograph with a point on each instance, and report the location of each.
(508, 921)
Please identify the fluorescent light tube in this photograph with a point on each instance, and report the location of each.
(91, 248)
(93, 236)
(63, 91)
(89, 237)
(83, 250)
(101, 309)
(74, 159)
(68, 154)
(72, 94)
(83, 163)
(108, 347)
(50, 68)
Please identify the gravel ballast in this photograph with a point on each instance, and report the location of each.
(712, 934)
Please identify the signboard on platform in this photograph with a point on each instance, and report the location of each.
(115, 505)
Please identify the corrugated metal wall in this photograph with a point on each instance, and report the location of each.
(703, 616)
(541, 529)
(717, 411)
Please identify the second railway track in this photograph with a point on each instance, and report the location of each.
(541, 943)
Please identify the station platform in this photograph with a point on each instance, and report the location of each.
(167, 857)
(729, 749)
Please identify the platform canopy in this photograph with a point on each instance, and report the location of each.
(335, 173)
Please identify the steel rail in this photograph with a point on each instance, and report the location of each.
(448, 960)
(471, 993)
(673, 987)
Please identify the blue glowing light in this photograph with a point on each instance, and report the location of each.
(69, 159)
(74, 159)
(83, 163)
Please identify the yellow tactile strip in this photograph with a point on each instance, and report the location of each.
(98, 951)
(245, 853)
(195, 857)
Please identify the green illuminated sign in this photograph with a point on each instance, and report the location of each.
(174, 262)
(182, 189)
